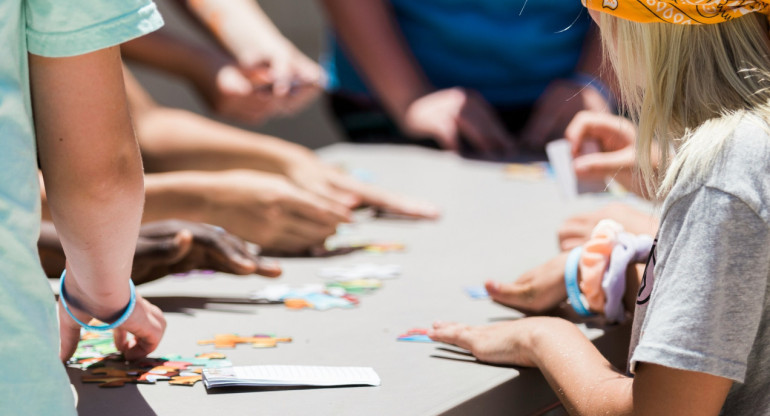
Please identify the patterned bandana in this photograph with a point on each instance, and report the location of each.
(682, 12)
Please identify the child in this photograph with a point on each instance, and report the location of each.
(701, 336)
(59, 60)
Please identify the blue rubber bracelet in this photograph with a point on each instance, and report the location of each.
(126, 313)
(576, 298)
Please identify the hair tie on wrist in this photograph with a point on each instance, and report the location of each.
(126, 313)
(576, 299)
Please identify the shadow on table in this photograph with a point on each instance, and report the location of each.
(258, 389)
(188, 304)
(529, 393)
(95, 400)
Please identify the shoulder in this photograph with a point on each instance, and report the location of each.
(741, 170)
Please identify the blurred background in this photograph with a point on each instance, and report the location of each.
(302, 22)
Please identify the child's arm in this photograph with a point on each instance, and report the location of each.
(371, 36)
(584, 380)
(93, 173)
(243, 28)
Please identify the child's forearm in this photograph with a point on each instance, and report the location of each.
(92, 171)
(175, 55)
(239, 25)
(371, 36)
(584, 380)
(173, 140)
(176, 195)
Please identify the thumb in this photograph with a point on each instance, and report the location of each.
(69, 335)
(232, 81)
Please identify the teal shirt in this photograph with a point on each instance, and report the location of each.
(34, 380)
(508, 50)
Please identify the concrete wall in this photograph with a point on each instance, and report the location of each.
(299, 20)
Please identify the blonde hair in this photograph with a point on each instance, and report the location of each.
(688, 87)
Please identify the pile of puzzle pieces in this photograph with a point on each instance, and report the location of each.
(256, 341)
(179, 371)
(97, 356)
(344, 285)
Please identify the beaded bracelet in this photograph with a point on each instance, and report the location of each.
(126, 313)
(576, 298)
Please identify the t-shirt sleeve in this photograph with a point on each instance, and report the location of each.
(59, 28)
(709, 286)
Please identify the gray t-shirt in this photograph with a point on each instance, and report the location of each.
(704, 302)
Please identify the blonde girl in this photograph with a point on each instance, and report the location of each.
(695, 77)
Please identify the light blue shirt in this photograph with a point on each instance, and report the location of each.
(508, 50)
(34, 380)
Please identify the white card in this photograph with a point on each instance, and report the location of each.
(560, 156)
(289, 375)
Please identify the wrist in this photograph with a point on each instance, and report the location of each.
(106, 307)
(547, 332)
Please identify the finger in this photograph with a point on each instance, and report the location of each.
(120, 338)
(165, 250)
(482, 127)
(232, 81)
(141, 348)
(592, 125)
(309, 231)
(299, 97)
(385, 200)
(541, 122)
(268, 268)
(451, 333)
(289, 244)
(447, 135)
(318, 210)
(601, 165)
(69, 335)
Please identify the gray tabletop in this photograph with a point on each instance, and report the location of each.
(493, 227)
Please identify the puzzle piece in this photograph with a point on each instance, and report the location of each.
(476, 292)
(361, 271)
(185, 380)
(415, 335)
(231, 340)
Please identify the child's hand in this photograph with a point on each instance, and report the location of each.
(270, 211)
(448, 114)
(536, 291)
(175, 246)
(311, 174)
(616, 137)
(146, 323)
(499, 343)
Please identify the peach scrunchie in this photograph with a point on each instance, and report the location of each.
(595, 260)
(682, 12)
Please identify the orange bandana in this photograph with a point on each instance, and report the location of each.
(683, 12)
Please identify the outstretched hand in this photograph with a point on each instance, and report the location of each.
(500, 343)
(175, 246)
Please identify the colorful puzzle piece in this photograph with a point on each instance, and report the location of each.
(231, 340)
(415, 335)
(476, 292)
(111, 370)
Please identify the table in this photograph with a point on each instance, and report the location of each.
(492, 228)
